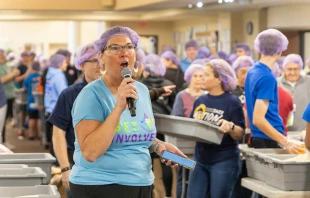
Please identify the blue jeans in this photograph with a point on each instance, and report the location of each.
(217, 180)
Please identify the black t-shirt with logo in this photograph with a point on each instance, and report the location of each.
(211, 109)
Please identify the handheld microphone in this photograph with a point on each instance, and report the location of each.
(126, 73)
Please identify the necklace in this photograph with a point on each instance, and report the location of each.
(110, 82)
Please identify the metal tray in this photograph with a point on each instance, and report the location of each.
(188, 128)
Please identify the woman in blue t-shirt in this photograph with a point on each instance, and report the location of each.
(112, 148)
(218, 166)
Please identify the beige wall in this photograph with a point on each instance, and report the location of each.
(162, 29)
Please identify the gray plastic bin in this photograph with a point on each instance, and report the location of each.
(47, 191)
(287, 175)
(188, 128)
(38, 98)
(21, 96)
(255, 161)
(186, 146)
(42, 160)
(5, 166)
(29, 176)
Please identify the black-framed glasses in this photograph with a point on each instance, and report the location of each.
(116, 49)
(93, 62)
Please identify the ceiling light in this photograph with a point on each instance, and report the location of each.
(220, 1)
(190, 5)
(199, 4)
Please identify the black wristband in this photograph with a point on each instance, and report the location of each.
(66, 169)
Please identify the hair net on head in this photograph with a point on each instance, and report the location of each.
(64, 52)
(191, 43)
(86, 53)
(1, 51)
(280, 62)
(171, 56)
(57, 60)
(232, 58)
(212, 57)
(140, 56)
(35, 66)
(223, 55)
(203, 52)
(116, 31)
(245, 47)
(276, 70)
(11, 56)
(193, 68)
(154, 65)
(270, 42)
(293, 58)
(167, 48)
(24, 54)
(242, 61)
(200, 61)
(32, 54)
(226, 74)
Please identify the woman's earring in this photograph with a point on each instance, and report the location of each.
(135, 69)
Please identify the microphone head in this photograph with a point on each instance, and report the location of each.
(126, 72)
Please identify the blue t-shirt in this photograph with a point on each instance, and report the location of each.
(127, 161)
(306, 115)
(30, 80)
(185, 64)
(261, 84)
(61, 115)
(211, 109)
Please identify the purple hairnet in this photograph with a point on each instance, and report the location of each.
(203, 52)
(35, 66)
(167, 48)
(1, 51)
(57, 60)
(293, 58)
(193, 68)
(242, 61)
(280, 62)
(226, 74)
(200, 61)
(169, 55)
(223, 55)
(154, 65)
(245, 47)
(276, 70)
(232, 58)
(86, 53)
(116, 31)
(32, 53)
(191, 43)
(24, 54)
(270, 42)
(11, 56)
(64, 52)
(140, 56)
(212, 57)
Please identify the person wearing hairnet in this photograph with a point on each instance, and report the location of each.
(61, 119)
(261, 94)
(71, 72)
(218, 166)
(55, 83)
(203, 52)
(297, 85)
(191, 48)
(173, 71)
(243, 49)
(112, 148)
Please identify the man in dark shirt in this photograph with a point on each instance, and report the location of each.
(61, 119)
(71, 73)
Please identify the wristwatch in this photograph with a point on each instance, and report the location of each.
(66, 169)
(232, 127)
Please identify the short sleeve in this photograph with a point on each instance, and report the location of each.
(266, 88)
(87, 106)
(178, 106)
(61, 115)
(237, 114)
(306, 115)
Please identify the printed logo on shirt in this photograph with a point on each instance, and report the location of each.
(127, 132)
(210, 115)
(242, 99)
